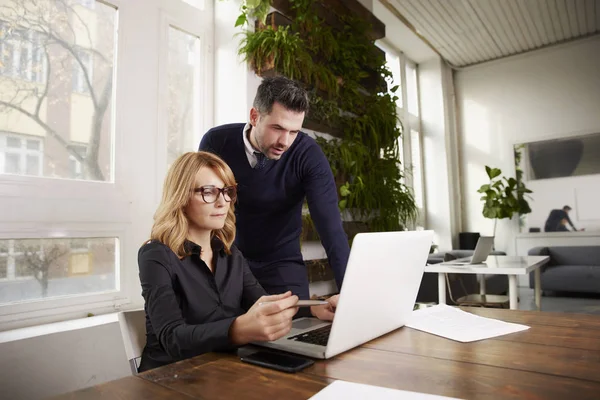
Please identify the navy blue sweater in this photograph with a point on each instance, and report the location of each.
(269, 206)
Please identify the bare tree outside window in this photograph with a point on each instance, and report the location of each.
(32, 269)
(37, 261)
(56, 81)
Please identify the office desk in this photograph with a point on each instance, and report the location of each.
(558, 358)
(495, 265)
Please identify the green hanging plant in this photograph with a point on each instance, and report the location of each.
(339, 67)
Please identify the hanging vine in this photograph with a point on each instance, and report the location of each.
(346, 75)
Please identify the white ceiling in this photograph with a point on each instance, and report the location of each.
(467, 32)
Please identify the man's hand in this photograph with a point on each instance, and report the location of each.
(270, 318)
(326, 313)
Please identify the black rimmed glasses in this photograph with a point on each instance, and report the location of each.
(210, 193)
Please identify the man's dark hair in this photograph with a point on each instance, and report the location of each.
(279, 89)
(567, 208)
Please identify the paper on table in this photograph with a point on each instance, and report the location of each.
(455, 324)
(354, 391)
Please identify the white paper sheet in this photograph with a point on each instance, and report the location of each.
(455, 324)
(355, 391)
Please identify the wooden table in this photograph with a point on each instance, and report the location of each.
(512, 266)
(558, 358)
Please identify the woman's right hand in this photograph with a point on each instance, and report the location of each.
(270, 318)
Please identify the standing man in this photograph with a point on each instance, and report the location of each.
(276, 166)
(554, 222)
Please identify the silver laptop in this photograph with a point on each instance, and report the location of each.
(482, 251)
(382, 279)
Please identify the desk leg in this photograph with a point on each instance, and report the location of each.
(538, 288)
(513, 292)
(481, 284)
(441, 288)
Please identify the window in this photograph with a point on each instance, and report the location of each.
(184, 108)
(41, 268)
(48, 111)
(22, 54)
(393, 64)
(412, 93)
(70, 234)
(416, 166)
(404, 74)
(82, 71)
(20, 155)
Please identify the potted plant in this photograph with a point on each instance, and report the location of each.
(503, 197)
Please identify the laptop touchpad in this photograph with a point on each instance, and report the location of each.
(306, 323)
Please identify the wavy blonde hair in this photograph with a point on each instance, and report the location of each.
(170, 222)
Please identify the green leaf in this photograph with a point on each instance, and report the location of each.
(241, 20)
(342, 204)
(252, 3)
(344, 190)
(484, 188)
(394, 89)
(494, 172)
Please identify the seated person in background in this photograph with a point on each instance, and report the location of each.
(554, 221)
(199, 293)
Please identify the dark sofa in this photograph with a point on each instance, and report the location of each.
(428, 291)
(570, 269)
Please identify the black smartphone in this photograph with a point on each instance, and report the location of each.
(278, 361)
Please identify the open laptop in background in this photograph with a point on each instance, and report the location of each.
(482, 251)
(382, 279)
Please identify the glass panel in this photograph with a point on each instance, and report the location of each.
(53, 45)
(412, 94)
(32, 165)
(184, 108)
(33, 144)
(415, 144)
(11, 163)
(46, 268)
(393, 64)
(13, 142)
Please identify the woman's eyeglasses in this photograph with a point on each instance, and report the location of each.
(210, 193)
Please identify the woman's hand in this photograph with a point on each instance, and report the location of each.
(270, 318)
(327, 312)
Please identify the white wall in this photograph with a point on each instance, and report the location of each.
(550, 93)
(51, 364)
(439, 152)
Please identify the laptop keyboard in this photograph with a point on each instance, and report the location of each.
(318, 336)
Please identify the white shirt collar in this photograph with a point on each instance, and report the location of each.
(248, 146)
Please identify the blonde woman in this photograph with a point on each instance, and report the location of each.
(199, 293)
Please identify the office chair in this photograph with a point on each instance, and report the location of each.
(133, 330)
(475, 300)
